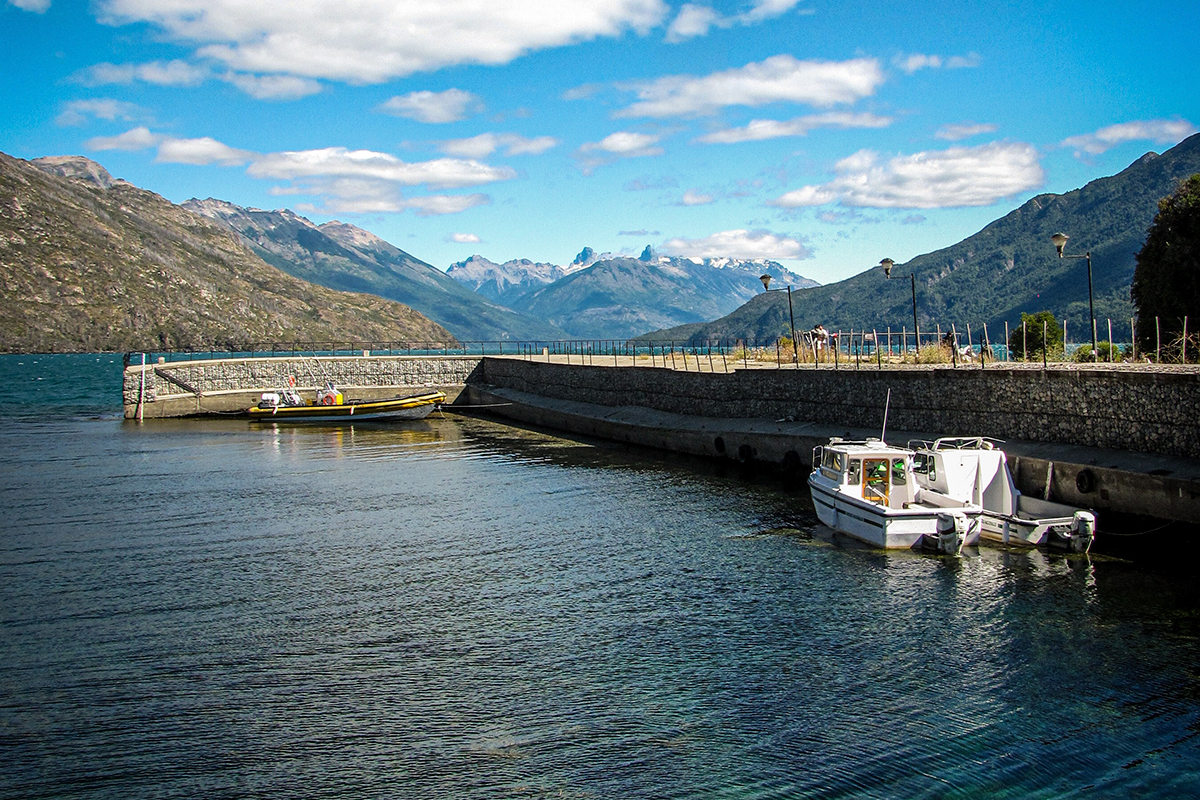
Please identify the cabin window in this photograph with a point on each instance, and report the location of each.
(924, 464)
(832, 464)
(853, 472)
(899, 474)
(875, 479)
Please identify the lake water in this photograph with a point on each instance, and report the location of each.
(456, 608)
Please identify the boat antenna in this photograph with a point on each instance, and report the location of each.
(886, 403)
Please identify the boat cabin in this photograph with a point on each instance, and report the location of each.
(871, 470)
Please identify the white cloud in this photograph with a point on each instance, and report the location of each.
(173, 150)
(359, 181)
(916, 61)
(969, 61)
(738, 244)
(485, 144)
(37, 6)
(463, 238)
(200, 152)
(695, 198)
(451, 105)
(964, 130)
(694, 20)
(780, 78)
(159, 73)
(374, 41)
(273, 87)
(77, 112)
(760, 129)
(139, 138)
(1159, 131)
(434, 205)
(913, 62)
(341, 162)
(627, 144)
(960, 176)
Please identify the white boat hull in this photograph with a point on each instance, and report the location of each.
(873, 524)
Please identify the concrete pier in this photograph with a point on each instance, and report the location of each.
(1119, 440)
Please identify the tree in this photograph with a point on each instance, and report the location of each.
(1166, 281)
(1026, 342)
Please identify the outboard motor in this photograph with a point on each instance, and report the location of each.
(952, 530)
(1083, 531)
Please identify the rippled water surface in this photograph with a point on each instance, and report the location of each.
(456, 608)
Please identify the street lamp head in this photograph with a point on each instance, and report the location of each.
(887, 265)
(766, 280)
(1060, 241)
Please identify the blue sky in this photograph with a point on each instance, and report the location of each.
(824, 135)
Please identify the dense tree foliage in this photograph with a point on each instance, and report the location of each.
(1037, 332)
(1166, 281)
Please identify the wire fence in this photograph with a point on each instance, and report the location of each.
(937, 345)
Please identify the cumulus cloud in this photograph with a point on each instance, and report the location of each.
(738, 244)
(960, 176)
(781, 78)
(485, 144)
(359, 181)
(1159, 131)
(160, 73)
(964, 130)
(134, 139)
(200, 151)
(451, 105)
(693, 197)
(272, 87)
(171, 149)
(36, 6)
(913, 62)
(760, 129)
(434, 205)
(626, 144)
(463, 238)
(693, 20)
(77, 112)
(379, 40)
(442, 173)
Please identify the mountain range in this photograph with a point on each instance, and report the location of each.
(345, 257)
(502, 283)
(90, 263)
(608, 297)
(992, 277)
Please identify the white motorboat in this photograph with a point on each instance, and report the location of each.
(975, 470)
(868, 490)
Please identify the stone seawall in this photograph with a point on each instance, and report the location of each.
(1150, 412)
(186, 388)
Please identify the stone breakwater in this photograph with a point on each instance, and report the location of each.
(1150, 412)
(186, 388)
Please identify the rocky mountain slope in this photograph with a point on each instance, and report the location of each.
(342, 256)
(90, 263)
(1007, 268)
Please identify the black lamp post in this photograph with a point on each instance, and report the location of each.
(887, 265)
(766, 282)
(1060, 241)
